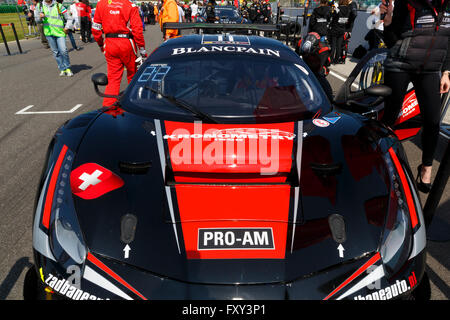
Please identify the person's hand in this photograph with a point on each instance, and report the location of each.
(66, 31)
(387, 8)
(143, 53)
(445, 82)
(42, 15)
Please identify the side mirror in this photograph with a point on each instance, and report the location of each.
(100, 79)
(377, 90)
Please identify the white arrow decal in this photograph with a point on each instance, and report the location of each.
(127, 251)
(341, 251)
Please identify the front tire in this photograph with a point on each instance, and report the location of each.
(423, 290)
(30, 285)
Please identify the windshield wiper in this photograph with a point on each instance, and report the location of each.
(180, 103)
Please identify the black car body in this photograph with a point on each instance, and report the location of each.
(137, 201)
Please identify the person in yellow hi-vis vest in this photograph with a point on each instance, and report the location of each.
(169, 13)
(54, 16)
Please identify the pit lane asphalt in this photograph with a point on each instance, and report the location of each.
(32, 79)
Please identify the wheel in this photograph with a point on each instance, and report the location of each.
(30, 285)
(423, 291)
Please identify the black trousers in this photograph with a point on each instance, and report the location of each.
(85, 29)
(336, 48)
(427, 87)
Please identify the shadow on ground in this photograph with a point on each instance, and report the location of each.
(79, 67)
(13, 275)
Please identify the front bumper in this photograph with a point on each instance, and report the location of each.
(105, 279)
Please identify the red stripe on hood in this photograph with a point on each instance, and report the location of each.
(112, 274)
(203, 206)
(358, 272)
(218, 153)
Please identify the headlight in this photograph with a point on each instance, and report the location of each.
(65, 237)
(397, 237)
(398, 232)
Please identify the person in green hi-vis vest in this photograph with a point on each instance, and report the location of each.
(53, 16)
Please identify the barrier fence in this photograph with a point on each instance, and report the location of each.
(15, 36)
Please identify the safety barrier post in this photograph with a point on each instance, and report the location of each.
(4, 39)
(17, 38)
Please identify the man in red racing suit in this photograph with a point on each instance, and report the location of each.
(122, 26)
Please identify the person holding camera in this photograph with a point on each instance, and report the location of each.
(417, 33)
(52, 15)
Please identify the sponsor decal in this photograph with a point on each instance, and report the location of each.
(266, 148)
(155, 72)
(412, 280)
(399, 287)
(90, 181)
(112, 4)
(235, 134)
(426, 19)
(392, 291)
(236, 49)
(410, 107)
(233, 40)
(321, 123)
(331, 120)
(235, 238)
(65, 288)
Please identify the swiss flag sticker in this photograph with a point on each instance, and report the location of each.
(90, 181)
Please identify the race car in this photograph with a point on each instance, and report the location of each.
(226, 14)
(224, 172)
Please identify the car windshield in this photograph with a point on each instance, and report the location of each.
(245, 88)
(226, 13)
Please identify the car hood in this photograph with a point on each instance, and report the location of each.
(244, 219)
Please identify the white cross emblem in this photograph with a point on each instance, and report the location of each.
(89, 179)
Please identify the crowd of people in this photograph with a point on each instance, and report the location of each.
(260, 11)
(333, 21)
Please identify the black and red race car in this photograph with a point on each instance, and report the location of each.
(224, 172)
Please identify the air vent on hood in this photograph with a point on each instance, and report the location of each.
(135, 167)
(327, 169)
(128, 228)
(337, 227)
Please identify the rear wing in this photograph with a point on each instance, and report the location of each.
(221, 26)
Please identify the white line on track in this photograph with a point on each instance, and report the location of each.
(343, 79)
(25, 110)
